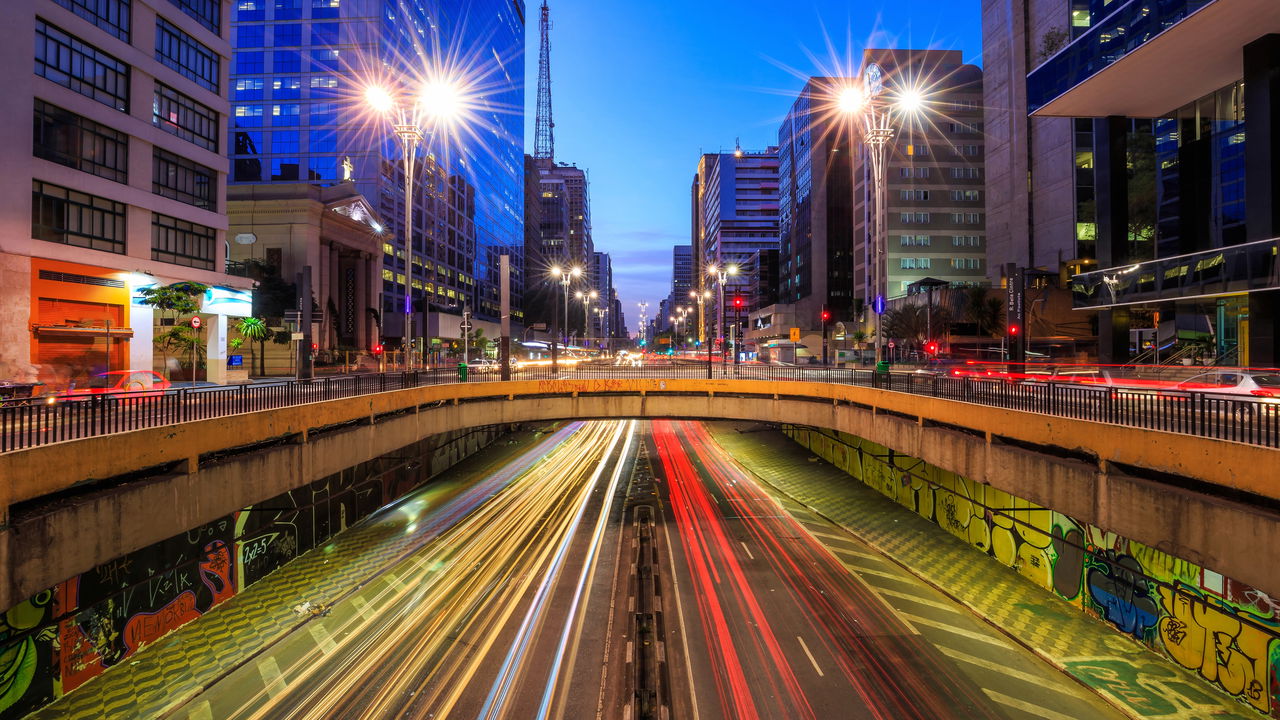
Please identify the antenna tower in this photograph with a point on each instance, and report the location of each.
(544, 128)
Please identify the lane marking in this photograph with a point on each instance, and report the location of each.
(856, 553)
(1026, 707)
(917, 599)
(202, 711)
(321, 636)
(916, 619)
(860, 570)
(747, 549)
(998, 668)
(269, 670)
(811, 658)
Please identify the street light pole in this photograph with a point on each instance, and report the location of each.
(410, 135)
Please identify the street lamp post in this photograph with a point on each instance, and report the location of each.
(721, 273)
(586, 298)
(565, 276)
(701, 298)
(878, 114)
(644, 323)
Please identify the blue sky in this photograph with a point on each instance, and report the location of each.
(641, 89)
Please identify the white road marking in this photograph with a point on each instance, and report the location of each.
(1026, 707)
(269, 670)
(321, 636)
(1000, 668)
(917, 599)
(917, 620)
(860, 570)
(747, 549)
(811, 658)
(855, 553)
(200, 711)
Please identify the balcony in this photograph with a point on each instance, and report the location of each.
(1223, 271)
(1149, 57)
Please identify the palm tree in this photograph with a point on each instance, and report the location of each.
(984, 311)
(255, 330)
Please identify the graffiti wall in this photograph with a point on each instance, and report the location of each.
(1227, 632)
(56, 641)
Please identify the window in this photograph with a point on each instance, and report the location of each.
(919, 172)
(913, 194)
(288, 9)
(969, 150)
(965, 173)
(964, 195)
(323, 141)
(322, 60)
(286, 61)
(915, 218)
(324, 86)
(207, 12)
(112, 16)
(250, 63)
(916, 240)
(251, 10)
(288, 35)
(182, 180)
(916, 150)
(182, 53)
(960, 128)
(284, 169)
(65, 216)
(179, 115)
(251, 36)
(183, 243)
(248, 89)
(325, 8)
(285, 114)
(965, 240)
(913, 263)
(966, 263)
(286, 88)
(73, 64)
(966, 218)
(322, 168)
(284, 142)
(324, 33)
(248, 115)
(68, 139)
(325, 113)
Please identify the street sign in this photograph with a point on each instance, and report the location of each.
(878, 305)
(465, 326)
(195, 322)
(795, 335)
(295, 336)
(891, 345)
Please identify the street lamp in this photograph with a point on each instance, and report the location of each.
(565, 276)
(586, 298)
(721, 273)
(701, 298)
(434, 102)
(879, 113)
(644, 323)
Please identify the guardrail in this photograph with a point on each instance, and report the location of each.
(1239, 419)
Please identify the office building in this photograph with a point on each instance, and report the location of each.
(602, 282)
(120, 188)
(682, 279)
(935, 209)
(299, 65)
(1183, 156)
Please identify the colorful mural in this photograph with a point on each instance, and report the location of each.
(56, 641)
(1227, 632)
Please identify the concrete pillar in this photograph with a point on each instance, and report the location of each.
(141, 348)
(1111, 180)
(1262, 184)
(362, 302)
(332, 298)
(1113, 336)
(216, 350)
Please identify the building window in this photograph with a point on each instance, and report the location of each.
(323, 9)
(112, 16)
(285, 114)
(969, 150)
(186, 56)
(324, 86)
(325, 60)
(324, 113)
(73, 64)
(914, 150)
(251, 10)
(251, 36)
(286, 61)
(966, 218)
(910, 195)
(324, 33)
(964, 195)
(965, 240)
(183, 243)
(62, 215)
(248, 115)
(182, 180)
(916, 240)
(965, 173)
(288, 9)
(913, 263)
(959, 128)
(286, 88)
(250, 62)
(68, 139)
(179, 115)
(288, 35)
(915, 218)
(967, 263)
(206, 12)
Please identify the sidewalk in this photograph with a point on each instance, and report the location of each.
(162, 677)
(1135, 680)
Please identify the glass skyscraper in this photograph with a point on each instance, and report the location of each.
(297, 83)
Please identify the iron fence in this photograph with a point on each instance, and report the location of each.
(28, 423)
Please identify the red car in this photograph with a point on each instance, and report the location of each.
(117, 381)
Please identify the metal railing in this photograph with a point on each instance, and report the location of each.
(1244, 419)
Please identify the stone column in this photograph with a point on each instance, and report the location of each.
(1262, 184)
(216, 350)
(332, 297)
(364, 339)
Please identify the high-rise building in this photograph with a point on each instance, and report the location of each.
(682, 276)
(1181, 155)
(121, 187)
(602, 283)
(569, 182)
(935, 209)
(735, 216)
(815, 261)
(298, 68)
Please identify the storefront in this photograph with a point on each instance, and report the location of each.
(80, 322)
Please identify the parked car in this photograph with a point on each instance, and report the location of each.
(145, 382)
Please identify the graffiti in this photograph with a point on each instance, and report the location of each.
(1217, 645)
(1116, 583)
(594, 385)
(23, 653)
(1150, 689)
(1068, 570)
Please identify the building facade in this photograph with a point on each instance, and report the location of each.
(602, 324)
(1182, 211)
(935, 204)
(122, 187)
(682, 283)
(298, 74)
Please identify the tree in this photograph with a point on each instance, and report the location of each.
(255, 330)
(174, 301)
(984, 311)
(479, 342)
(907, 323)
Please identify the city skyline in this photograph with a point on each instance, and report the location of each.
(713, 91)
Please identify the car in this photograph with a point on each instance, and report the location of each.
(146, 382)
(1259, 384)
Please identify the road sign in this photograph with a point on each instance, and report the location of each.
(465, 326)
(295, 336)
(195, 322)
(795, 335)
(891, 346)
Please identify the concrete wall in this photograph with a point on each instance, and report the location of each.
(1180, 606)
(112, 575)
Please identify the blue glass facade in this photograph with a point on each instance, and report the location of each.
(297, 113)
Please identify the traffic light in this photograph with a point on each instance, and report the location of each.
(826, 316)
(737, 302)
(377, 349)
(1014, 330)
(931, 347)
(314, 347)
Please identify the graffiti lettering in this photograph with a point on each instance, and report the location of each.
(1117, 584)
(1217, 645)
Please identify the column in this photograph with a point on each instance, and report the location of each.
(332, 298)
(1111, 179)
(363, 302)
(1262, 184)
(216, 350)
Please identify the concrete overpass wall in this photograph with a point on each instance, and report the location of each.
(1219, 627)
